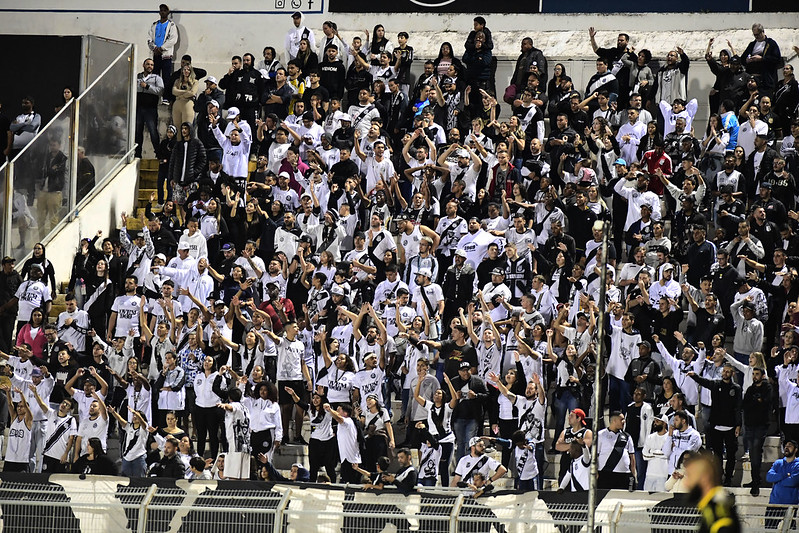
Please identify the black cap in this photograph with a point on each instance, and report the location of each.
(8, 259)
(645, 343)
(464, 364)
(766, 185)
(748, 305)
(296, 15)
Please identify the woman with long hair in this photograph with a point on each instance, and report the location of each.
(378, 433)
(213, 227)
(322, 447)
(39, 257)
(135, 447)
(740, 159)
(507, 415)
(439, 420)
(184, 90)
(32, 333)
(553, 87)
(327, 266)
(378, 44)
(714, 146)
(95, 461)
(446, 57)
(647, 142)
(306, 58)
(266, 423)
(207, 417)
(99, 295)
(568, 387)
(668, 389)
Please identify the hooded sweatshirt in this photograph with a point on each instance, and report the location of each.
(197, 245)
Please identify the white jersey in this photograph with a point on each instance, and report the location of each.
(75, 333)
(532, 417)
(135, 442)
(31, 294)
(433, 294)
(92, 428)
(608, 442)
(410, 242)
(348, 449)
(577, 478)
(526, 465)
(127, 310)
(428, 461)
(439, 421)
(624, 348)
(369, 382)
(19, 442)
(469, 465)
(59, 431)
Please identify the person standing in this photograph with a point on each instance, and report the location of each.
(24, 128)
(149, 88)
(657, 468)
(762, 57)
(616, 455)
(757, 414)
(725, 417)
(10, 280)
(349, 448)
(20, 434)
(162, 39)
(716, 507)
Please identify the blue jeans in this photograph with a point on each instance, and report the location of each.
(427, 482)
(146, 116)
(619, 392)
(640, 467)
(541, 461)
(754, 437)
(560, 406)
(464, 429)
(134, 468)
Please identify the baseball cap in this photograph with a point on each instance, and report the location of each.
(228, 246)
(345, 118)
(213, 103)
(162, 257)
(766, 185)
(460, 252)
(463, 152)
(9, 259)
(35, 373)
(668, 266)
(579, 413)
(336, 289)
(296, 15)
(211, 79)
(473, 441)
(183, 245)
(497, 272)
(620, 161)
(464, 364)
(232, 113)
(645, 343)
(425, 272)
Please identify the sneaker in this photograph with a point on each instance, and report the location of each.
(748, 485)
(300, 440)
(755, 490)
(745, 456)
(164, 101)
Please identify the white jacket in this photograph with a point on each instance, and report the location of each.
(170, 40)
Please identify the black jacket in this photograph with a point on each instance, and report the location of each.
(757, 404)
(243, 88)
(195, 161)
(170, 467)
(470, 409)
(725, 399)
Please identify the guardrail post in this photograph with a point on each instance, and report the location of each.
(72, 201)
(615, 517)
(281, 508)
(141, 527)
(453, 516)
(787, 518)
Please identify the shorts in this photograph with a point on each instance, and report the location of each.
(237, 465)
(299, 389)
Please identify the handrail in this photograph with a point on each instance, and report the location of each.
(67, 106)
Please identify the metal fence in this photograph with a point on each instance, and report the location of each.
(69, 504)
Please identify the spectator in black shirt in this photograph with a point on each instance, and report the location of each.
(332, 72)
(468, 414)
(757, 415)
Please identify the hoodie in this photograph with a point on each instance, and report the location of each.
(197, 246)
(294, 35)
(188, 159)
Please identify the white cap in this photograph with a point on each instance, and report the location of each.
(232, 113)
(210, 79)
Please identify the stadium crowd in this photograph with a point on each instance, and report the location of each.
(397, 240)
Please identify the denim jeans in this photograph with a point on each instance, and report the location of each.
(640, 468)
(134, 468)
(562, 405)
(754, 437)
(148, 117)
(619, 392)
(465, 429)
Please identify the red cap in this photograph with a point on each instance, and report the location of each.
(580, 413)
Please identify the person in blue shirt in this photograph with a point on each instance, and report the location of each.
(784, 474)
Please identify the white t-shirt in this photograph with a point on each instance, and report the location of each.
(348, 449)
(31, 294)
(526, 465)
(92, 428)
(369, 382)
(466, 467)
(289, 359)
(127, 310)
(339, 383)
(135, 442)
(59, 430)
(624, 348)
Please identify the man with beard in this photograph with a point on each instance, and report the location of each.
(451, 228)
(757, 415)
(475, 243)
(784, 474)
(637, 196)
(467, 167)
(379, 240)
(614, 57)
(616, 455)
(682, 437)
(243, 87)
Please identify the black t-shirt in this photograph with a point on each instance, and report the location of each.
(321, 92)
(454, 354)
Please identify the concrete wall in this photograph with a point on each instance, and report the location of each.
(103, 212)
(212, 33)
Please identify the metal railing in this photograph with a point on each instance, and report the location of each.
(74, 154)
(67, 503)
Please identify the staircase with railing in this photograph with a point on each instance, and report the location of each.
(75, 156)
